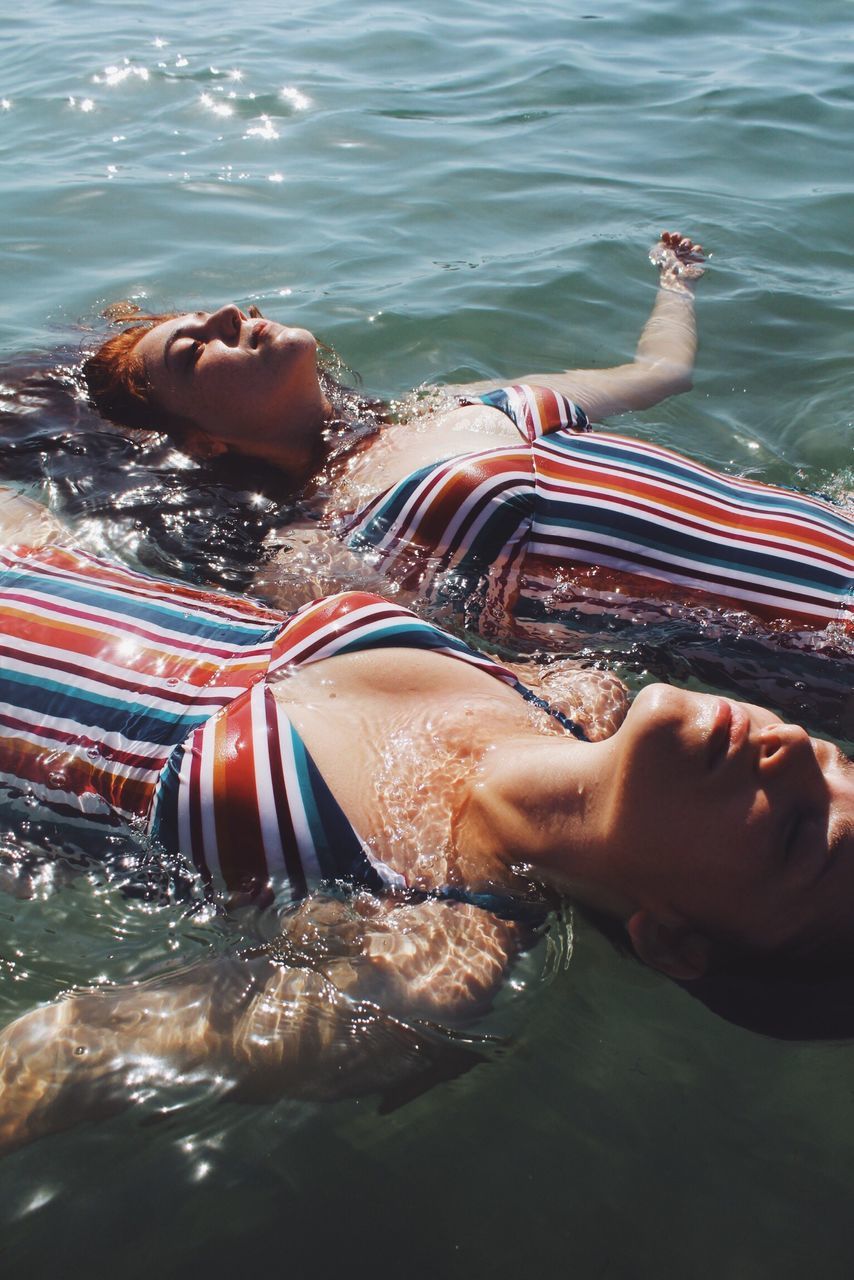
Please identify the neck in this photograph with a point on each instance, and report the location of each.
(540, 810)
(303, 451)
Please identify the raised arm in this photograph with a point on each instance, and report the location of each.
(664, 360)
(341, 1004)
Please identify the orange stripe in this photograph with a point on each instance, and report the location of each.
(76, 774)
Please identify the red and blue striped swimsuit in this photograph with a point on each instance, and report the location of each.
(126, 698)
(602, 522)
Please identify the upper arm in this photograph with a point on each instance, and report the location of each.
(604, 393)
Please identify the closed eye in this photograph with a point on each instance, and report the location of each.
(194, 350)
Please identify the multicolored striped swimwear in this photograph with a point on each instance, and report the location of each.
(125, 698)
(586, 523)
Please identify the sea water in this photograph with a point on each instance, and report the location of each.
(443, 192)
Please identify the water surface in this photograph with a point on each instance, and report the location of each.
(463, 191)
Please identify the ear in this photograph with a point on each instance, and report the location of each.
(670, 947)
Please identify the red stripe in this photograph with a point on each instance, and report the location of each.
(78, 775)
(741, 523)
(723, 586)
(235, 799)
(130, 759)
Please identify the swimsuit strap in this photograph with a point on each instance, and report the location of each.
(537, 411)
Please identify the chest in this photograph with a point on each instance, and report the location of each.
(402, 756)
(405, 447)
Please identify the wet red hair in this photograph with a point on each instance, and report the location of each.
(115, 375)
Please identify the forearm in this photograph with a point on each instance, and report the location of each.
(252, 1029)
(339, 1006)
(663, 363)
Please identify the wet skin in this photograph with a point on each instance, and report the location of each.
(703, 812)
(228, 375)
(736, 820)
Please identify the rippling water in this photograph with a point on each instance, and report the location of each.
(463, 191)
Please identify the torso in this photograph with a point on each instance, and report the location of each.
(529, 535)
(423, 730)
(403, 447)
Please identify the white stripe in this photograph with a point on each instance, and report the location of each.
(105, 767)
(271, 837)
(127, 582)
(788, 527)
(823, 602)
(114, 622)
(185, 831)
(699, 479)
(501, 485)
(569, 540)
(88, 803)
(369, 624)
(147, 690)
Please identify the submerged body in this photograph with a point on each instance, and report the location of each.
(527, 538)
(218, 723)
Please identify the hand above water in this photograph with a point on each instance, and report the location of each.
(679, 260)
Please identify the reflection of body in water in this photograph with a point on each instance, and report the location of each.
(269, 749)
(498, 505)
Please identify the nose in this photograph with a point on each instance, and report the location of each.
(785, 747)
(225, 323)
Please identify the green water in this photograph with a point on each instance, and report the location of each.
(454, 190)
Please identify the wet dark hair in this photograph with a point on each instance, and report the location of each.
(81, 429)
(804, 992)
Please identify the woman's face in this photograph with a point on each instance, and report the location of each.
(248, 384)
(735, 821)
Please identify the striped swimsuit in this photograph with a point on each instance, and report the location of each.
(125, 698)
(592, 523)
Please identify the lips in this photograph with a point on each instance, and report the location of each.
(730, 726)
(719, 733)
